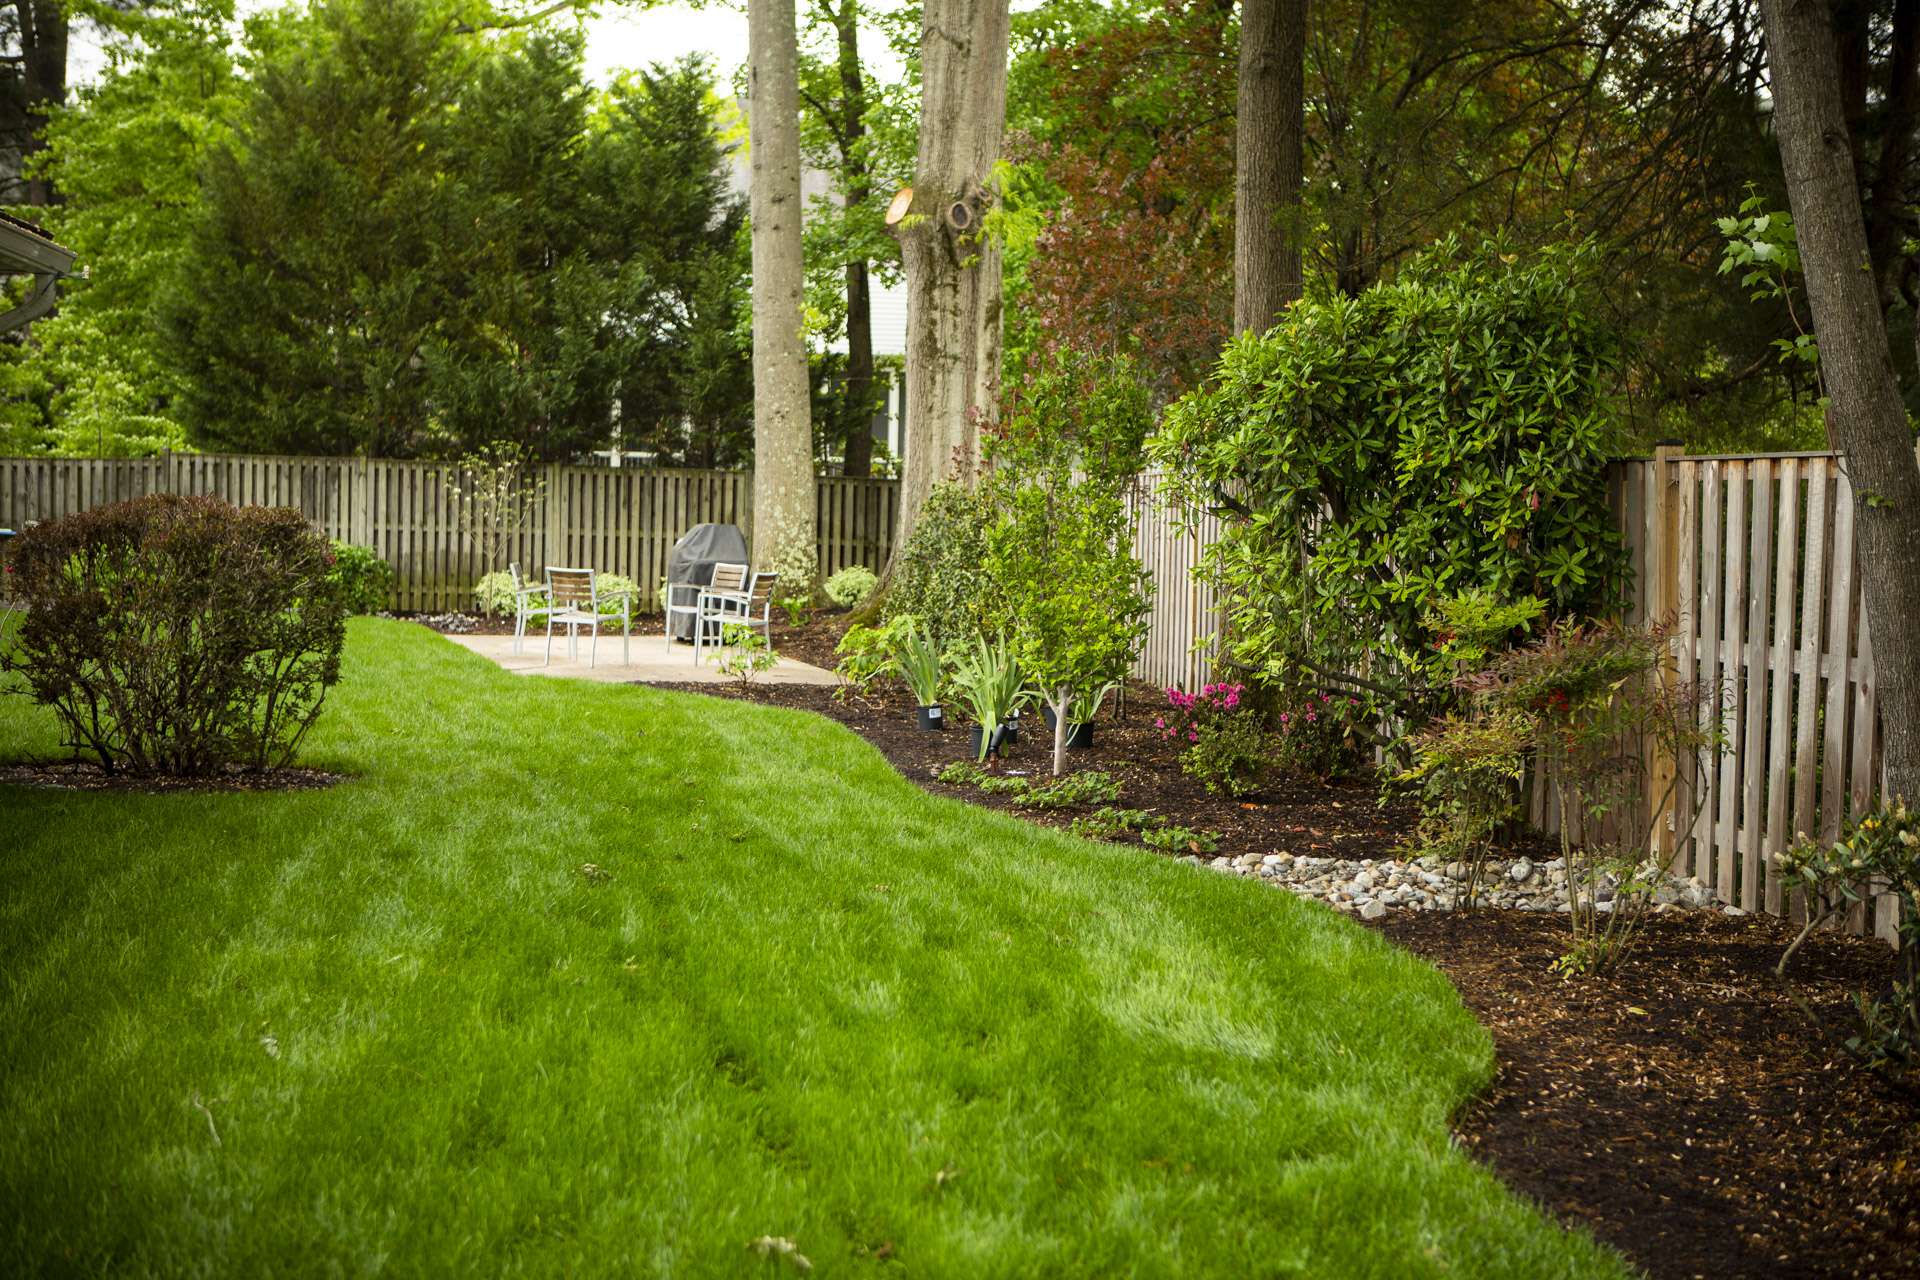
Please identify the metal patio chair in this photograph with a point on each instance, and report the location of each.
(751, 606)
(573, 598)
(525, 596)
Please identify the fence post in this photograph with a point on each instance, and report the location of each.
(1662, 596)
(558, 510)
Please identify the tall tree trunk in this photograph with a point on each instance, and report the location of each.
(862, 402)
(784, 498)
(857, 460)
(1866, 420)
(39, 82)
(1267, 161)
(952, 268)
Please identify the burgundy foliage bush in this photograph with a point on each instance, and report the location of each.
(179, 636)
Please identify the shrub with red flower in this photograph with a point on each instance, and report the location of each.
(1323, 735)
(1225, 746)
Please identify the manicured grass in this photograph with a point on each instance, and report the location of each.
(807, 1000)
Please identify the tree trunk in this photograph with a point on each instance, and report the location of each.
(1267, 161)
(1866, 420)
(857, 460)
(1061, 702)
(784, 497)
(41, 33)
(861, 401)
(952, 269)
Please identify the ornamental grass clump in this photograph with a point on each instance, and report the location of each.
(179, 636)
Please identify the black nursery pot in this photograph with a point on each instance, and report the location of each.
(1079, 736)
(931, 717)
(994, 748)
(1010, 731)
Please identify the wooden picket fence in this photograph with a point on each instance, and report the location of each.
(621, 520)
(1754, 557)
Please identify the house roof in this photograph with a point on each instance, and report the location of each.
(27, 250)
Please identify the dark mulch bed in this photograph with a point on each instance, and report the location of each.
(1683, 1109)
(79, 775)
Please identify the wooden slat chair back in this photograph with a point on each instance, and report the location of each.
(572, 589)
(573, 599)
(728, 578)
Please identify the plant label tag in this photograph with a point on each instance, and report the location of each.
(933, 714)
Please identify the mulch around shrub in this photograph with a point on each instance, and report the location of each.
(80, 775)
(1681, 1109)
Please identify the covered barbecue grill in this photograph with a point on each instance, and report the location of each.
(691, 563)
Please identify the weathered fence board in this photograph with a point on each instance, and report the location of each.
(621, 520)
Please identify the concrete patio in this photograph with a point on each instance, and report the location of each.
(651, 664)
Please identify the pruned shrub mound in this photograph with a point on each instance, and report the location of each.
(179, 636)
(851, 586)
(366, 581)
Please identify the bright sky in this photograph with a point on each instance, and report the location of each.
(619, 36)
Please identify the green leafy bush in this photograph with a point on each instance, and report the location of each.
(493, 594)
(1073, 790)
(869, 653)
(1467, 771)
(938, 576)
(364, 579)
(1174, 839)
(851, 585)
(1878, 852)
(1371, 455)
(179, 635)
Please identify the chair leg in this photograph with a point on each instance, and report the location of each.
(549, 661)
(593, 645)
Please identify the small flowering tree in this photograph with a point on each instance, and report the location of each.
(1076, 599)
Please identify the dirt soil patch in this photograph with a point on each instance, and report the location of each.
(1682, 1109)
(80, 775)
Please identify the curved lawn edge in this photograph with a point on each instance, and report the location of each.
(795, 995)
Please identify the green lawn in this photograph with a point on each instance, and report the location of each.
(808, 1001)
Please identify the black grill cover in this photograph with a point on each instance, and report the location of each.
(692, 560)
